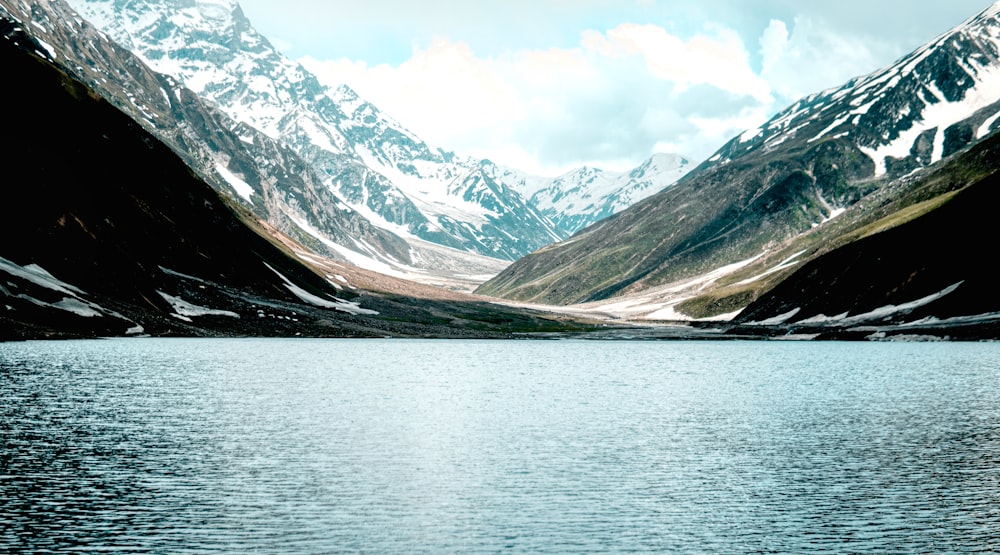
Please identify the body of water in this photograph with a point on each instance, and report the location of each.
(394, 446)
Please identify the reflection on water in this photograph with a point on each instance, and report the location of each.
(201, 446)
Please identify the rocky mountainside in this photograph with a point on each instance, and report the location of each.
(801, 174)
(368, 160)
(237, 160)
(921, 277)
(110, 233)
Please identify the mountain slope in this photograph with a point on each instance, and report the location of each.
(802, 170)
(98, 251)
(929, 275)
(237, 160)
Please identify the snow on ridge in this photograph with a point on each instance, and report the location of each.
(751, 134)
(940, 116)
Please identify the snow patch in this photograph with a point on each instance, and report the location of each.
(940, 116)
(78, 307)
(751, 134)
(187, 310)
(336, 304)
(779, 319)
(882, 312)
(791, 261)
(48, 47)
(241, 187)
(39, 276)
(987, 125)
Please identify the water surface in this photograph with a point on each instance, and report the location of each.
(393, 446)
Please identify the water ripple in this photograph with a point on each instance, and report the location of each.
(205, 446)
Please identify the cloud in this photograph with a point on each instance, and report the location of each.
(811, 57)
(612, 101)
(719, 60)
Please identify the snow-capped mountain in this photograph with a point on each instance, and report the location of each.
(238, 160)
(926, 106)
(587, 195)
(110, 232)
(368, 160)
(790, 178)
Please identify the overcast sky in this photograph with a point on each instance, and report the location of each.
(547, 85)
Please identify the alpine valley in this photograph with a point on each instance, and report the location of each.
(174, 174)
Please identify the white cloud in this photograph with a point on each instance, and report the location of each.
(812, 57)
(611, 102)
(720, 60)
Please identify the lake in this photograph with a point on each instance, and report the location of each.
(404, 446)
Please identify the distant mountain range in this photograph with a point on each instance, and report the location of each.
(370, 164)
(815, 177)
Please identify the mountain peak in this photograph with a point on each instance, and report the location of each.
(346, 93)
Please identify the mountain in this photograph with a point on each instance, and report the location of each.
(110, 233)
(587, 195)
(368, 160)
(776, 196)
(239, 161)
(93, 250)
(925, 276)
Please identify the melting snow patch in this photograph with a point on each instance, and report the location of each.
(184, 310)
(888, 310)
(777, 320)
(78, 307)
(788, 263)
(241, 187)
(336, 304)
(170, 272)
(984, 129)
(48, 47)
(37, 275)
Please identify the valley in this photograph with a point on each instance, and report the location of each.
(367, 230)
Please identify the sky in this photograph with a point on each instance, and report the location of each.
(550, 85)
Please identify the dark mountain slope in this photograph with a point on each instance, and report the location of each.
(98, 203)
(278, 186)
(934, 272)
